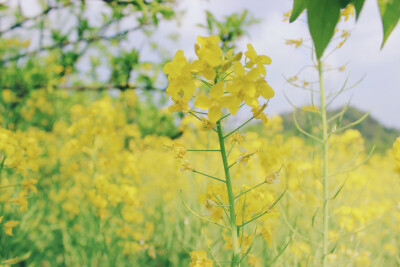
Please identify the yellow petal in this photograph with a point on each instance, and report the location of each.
(251, 101)
(217, 91)
(250, 53)
(212, 40)
(264, 59)
(202, 102)
(238, 69)
(214, 114)
(231, 102)
(264, 89)
(261, 69)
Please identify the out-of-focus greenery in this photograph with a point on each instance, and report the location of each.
(71, 46)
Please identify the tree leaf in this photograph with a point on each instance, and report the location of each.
(358, 5)
(322, 17)
(390, 13)
(298, 7)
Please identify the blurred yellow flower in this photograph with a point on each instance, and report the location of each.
(199, 259)
(296, 43)
(9, 225)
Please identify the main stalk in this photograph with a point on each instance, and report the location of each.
(232, 215)
(325, 175)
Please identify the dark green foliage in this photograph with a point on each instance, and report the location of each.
(390, 13)
(323, 16)
(322, 19)
(122, 67)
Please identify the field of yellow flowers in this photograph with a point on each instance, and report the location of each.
(93, 191)
(129, 174)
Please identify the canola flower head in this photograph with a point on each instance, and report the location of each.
(219, 82)
(181, 83)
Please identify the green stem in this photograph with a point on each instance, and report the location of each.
(254, 187)
(238, 128)
(209, 176)
(232, 215)
(325, 175)
(203, 150)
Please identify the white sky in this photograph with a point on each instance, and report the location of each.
(379, 92)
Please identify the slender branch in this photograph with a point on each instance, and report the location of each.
(19, 24)
(199, 112)
(233, 164)
(303, 131)
(340, 114)
(254, 187)
(339, 92)
(199, 216)
(197, 117)
(265, 212)
(295, 230)
(238, 128)
(353, 123)
(371, 152)
(209, 176)
(230, 150)
(63, 44)
(279, 253)
(203, 150)
(225, 116)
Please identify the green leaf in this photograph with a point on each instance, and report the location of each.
(390, 13)
(322, 17)
(298, 7)
(358, 5)
(344, 3)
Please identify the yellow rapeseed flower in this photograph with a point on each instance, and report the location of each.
(9, 225)
(296, 43)
(258, 60)
(199, 259)
(208, 50)
(181, 82)
(347, 12)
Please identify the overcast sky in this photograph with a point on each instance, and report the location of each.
(379, 92)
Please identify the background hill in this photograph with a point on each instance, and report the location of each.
(372, 130)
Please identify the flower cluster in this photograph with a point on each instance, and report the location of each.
(218, 81)
(18, 165)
